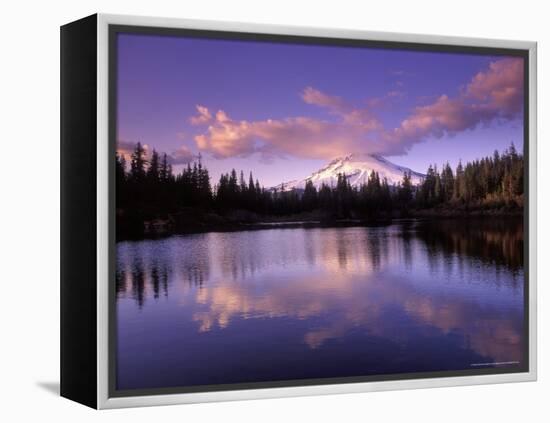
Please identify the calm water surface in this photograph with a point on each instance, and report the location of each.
(280, 304)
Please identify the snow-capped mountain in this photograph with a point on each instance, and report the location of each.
(357, 168)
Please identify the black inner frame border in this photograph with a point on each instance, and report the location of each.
(115, 29)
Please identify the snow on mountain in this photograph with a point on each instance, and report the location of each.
(357, 168)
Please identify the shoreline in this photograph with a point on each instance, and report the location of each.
(166, 228)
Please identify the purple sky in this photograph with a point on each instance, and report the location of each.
(284, 110)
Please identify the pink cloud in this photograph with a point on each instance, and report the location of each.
(202, 117)
(501, 87)
(445, 115)
(351, 115)
(312, 96)
(299, 136)
(495, 93)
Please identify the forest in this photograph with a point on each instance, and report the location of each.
(152, 200)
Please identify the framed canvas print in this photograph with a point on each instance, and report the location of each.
(254, 211)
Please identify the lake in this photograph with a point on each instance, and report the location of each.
(303, 303)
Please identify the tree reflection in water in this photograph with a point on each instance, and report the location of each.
(395, 296)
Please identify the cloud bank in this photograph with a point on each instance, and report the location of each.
(494, 94)
(182, 155)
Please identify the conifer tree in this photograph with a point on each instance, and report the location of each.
(138, 164)
(153, 171)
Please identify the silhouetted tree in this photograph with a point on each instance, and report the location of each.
(138, 164)
(405, 191)
(153, 169)
(149, 190)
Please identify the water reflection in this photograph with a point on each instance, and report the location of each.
(416, 296)
(498, 241)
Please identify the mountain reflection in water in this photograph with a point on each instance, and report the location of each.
(279, 304)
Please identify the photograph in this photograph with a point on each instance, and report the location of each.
(275, 212)
(299, 212)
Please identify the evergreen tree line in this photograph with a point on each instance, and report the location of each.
(490, 182)
(148, 188)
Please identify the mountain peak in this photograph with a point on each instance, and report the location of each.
(357, 167)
